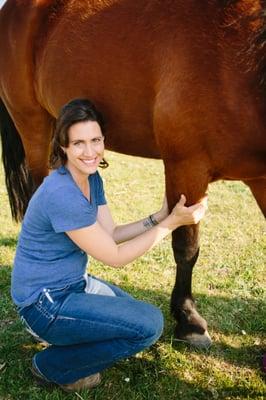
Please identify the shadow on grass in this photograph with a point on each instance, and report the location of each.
(133, 378)
(8, 241)
(226, 315)
(238, 317)
(248, 356)
(5, 280)
(140, 371)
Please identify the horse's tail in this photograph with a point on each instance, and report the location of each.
(18, 180)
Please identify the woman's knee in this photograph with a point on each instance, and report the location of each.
(151, 323)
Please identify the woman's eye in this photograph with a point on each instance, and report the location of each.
(77, 143)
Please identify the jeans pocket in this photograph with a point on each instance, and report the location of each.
(29, 329)
(39, 316)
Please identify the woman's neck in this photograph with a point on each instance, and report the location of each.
(81, 181)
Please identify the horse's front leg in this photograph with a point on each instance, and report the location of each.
(193, 182)
(190, 327)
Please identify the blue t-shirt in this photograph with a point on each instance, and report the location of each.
(45, 256)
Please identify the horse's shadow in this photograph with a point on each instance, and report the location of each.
(240, 317)
(227, 315)
(140, 370)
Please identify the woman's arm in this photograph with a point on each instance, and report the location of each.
(98, 243)
(122, 233)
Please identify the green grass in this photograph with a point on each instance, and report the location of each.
(229, 285)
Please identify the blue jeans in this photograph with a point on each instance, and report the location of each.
(88, 332)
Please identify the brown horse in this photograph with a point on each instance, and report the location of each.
(181, 80)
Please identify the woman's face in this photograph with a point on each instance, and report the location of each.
(85, 149)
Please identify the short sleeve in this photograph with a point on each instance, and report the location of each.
(101, 200)
(67, 209)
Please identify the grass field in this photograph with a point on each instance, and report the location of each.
(229, 285)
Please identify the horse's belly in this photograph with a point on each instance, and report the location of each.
(118, 79)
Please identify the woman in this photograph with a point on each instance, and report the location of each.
(88, 323)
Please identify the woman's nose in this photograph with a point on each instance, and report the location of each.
(89, 150)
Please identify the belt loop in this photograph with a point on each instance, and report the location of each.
(47, 294)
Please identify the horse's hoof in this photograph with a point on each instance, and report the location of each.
(200, 341)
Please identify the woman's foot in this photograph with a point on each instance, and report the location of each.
(88, 382)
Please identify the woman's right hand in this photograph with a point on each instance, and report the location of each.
(182, 215)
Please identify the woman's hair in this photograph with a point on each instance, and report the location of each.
(77, 110)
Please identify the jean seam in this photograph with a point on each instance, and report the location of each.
(38, 370)
(105, 324)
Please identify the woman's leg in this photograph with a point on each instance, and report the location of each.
(91, 332)
(99, 286)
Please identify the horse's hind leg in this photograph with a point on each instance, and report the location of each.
(34, 127)
(258, 189)
(181, 178)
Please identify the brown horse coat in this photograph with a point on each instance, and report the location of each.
(180, 80)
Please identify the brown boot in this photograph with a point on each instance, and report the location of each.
(88, 382)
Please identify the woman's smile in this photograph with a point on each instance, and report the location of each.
(89, 161)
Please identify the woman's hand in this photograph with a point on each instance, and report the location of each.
(182, 215)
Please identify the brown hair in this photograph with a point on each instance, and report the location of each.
(77, 110)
